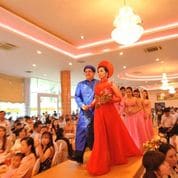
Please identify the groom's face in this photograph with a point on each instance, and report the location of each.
(89, 74)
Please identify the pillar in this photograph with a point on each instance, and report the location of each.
(27, 96)
(65, 92)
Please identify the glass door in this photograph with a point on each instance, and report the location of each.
(47, 103)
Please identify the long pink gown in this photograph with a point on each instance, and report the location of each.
(148, 118)
(135, 124)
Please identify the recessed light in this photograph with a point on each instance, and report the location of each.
(81, 61)
(38, 52)
(124, 67)
(28, 71)
(82, 37)
(106, 50)
(121, 53)
(157, 59)
(34, 65)
(70, 63)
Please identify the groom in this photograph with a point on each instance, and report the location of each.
(84, 95)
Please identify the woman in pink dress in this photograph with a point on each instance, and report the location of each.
(120, 105)
(136, 93)
(134, 118)
(112, 144)
(148, 116)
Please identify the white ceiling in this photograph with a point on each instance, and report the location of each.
(54, 28)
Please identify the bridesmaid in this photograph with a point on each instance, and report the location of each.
(134, 118)
(120, 105)
(136, 93)
(148, 116)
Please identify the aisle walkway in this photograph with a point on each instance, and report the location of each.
(70, 169)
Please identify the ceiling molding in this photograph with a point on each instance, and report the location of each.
(20, 26)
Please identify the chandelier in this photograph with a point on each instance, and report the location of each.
(128, 27)
(165, 85)
(164, 81)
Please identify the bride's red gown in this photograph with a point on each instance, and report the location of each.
(112, 144)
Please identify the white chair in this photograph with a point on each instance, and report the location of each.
(56, 147)
(36, 167)
(63, 150)
(56, 158)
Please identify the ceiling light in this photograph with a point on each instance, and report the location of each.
(124, 67)
(164, 80)
(70, 63)
(38, 52)
(172, 90)
(82, 37)
(106, 50)
(165, 86)
(121, 53)
(34, 65)
(157, 59)
(162, 95)
(128, 27)
(28, 71)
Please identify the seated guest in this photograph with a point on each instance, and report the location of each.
(155, 165)
(55, 128)
(174, 135)
(167, 123)
(171, 158)
(5, 123)
(20, 134)
(69, 127)
(62, 122)
(5, 142)
(27, 163)
(17, 125)
(36, 132)
(174, 130)
(15, 163)
(44, 128)
(60, 136)
(45, 151)
(28, 123)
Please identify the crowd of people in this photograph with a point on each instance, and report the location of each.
(29, 140)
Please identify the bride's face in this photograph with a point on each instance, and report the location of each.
(102, 73)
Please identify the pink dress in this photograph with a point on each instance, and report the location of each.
(148, 119)
(120, 108)
(135, 123)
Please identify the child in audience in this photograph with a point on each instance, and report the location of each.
(45, 151)
(15, 163)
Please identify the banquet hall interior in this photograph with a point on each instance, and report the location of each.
(44, 46)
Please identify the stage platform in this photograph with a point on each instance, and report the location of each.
(70, 169)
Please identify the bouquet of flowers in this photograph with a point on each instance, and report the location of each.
(104, 97)
(153, 144)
